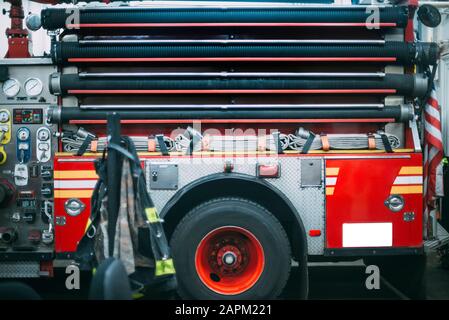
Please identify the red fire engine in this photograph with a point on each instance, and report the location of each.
(268, 132)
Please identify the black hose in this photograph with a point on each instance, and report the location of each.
(396, 112)
(55, 18)
(403, 84)
(401, 52)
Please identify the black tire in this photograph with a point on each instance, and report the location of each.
(405, 273)
(236, 212)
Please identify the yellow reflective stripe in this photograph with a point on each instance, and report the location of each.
(164, 267)
(411, 170)
(87, 225)
(75, 174)
(332, 171)
(137, 295)
(73, 193)
(406, 189)
(152, 215)
(330, 191)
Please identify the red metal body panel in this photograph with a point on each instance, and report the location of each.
(68, 235)
(362, 183)
(360, 190)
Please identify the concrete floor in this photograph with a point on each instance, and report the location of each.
(346, 280)
(327, 281)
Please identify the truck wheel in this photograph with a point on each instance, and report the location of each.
(230, 248)
(406, 273)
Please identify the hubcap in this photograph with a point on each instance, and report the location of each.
(229, 260)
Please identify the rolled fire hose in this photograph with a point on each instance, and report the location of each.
(74, 143)
(252, 143)
(403, 53)
(388, 84)
(341, 141)
(390, 16)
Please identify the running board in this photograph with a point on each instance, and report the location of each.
(441, 239)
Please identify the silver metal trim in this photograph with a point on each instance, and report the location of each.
(415, 135)
(71, 211)
(367, 157)
(55, 84)
(26, 61)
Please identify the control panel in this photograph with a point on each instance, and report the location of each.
(27, 143)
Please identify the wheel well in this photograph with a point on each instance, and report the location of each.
(237, 185)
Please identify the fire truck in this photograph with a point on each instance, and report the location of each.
(272, 134)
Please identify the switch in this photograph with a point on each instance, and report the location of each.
(29, 216)
(47, 175)
(34, 171)
(47, 190)
(20, 175)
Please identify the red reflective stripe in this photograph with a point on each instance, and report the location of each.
(230, 24)
(293, 91)
(208, 59)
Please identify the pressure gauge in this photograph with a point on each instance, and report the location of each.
(43, 135)
(33, 87)
(23, 134)
(4, 116)
(11, 87)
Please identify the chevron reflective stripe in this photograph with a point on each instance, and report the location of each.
(408, 181)
(75, 174)
(75, 184)
(331, 180)
(73, 193)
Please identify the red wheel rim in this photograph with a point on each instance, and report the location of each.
(229, 260)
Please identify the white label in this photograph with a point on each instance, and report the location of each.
(356, 235)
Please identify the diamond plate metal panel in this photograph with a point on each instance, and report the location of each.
(19, 269)
(308, 201)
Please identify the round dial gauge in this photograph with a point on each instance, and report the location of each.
(43, 135)
(11, 87)
(23, 134)
(4, 116)
(33, 87)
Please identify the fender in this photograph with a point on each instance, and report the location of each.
(297, 238)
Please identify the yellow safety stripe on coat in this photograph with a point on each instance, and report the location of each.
(406, 189)
(330, 191)
(332, 171)
(66, 193)
(164, 267)
(152, 215)
(411, 170)
(137, 295)
(75, 174)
